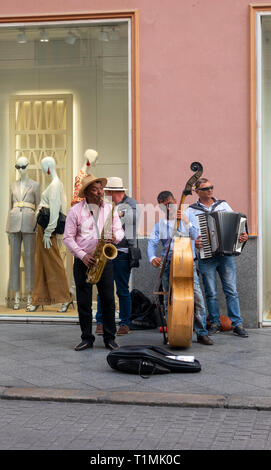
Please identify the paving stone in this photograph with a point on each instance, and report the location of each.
(70, 399)
(115, 437)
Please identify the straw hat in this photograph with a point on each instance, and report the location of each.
(114, 183)
(89, 179)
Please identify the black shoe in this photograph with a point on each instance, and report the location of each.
(239, 330)
(83, 345)
(205, 340)
(111, 344)
(214, 328)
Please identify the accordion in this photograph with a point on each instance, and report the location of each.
(220, 232)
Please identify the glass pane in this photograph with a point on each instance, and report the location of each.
(63, 90)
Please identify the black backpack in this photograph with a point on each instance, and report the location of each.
(144, 312)
(148, 360)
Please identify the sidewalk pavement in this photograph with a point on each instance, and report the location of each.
(38, 362)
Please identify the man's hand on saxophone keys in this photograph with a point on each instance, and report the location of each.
(111, 240)
(88, 260)
(156, 262)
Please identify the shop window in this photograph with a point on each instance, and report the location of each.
(64, 88)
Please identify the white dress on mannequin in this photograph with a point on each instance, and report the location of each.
(53, 198)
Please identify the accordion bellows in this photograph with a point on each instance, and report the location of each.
(220, 232)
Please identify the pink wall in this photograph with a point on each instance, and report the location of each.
(194, 89)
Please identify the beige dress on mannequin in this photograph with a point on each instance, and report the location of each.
(51, 285)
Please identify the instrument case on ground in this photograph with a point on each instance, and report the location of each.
(148, 360)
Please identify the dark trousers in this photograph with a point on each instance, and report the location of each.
(84, 300)
(122, 271)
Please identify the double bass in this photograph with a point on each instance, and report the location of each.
(180, 316)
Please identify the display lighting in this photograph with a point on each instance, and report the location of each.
(21, 37)
(70, 38)
(44, 36)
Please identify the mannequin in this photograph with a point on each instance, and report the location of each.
(90, 157)
(24, 200)
(50, 285)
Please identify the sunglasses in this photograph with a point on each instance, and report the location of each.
(22, 167)
(209, 188)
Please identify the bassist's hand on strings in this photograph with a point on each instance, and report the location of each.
(181, 216)
(156, 262)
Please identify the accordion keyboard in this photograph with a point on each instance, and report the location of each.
(206, 250)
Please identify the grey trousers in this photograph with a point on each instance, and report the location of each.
(29, 241)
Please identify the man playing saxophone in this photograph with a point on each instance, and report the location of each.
(84, 226)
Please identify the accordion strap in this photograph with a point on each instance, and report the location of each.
(199, 207)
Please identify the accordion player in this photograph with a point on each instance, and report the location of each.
(220, 232)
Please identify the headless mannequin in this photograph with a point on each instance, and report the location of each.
(25, 197)
(90, 157)
(23, 179)
(53, 198)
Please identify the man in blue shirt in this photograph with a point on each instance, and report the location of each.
(224, 265)
(161, 232)
(121, 264)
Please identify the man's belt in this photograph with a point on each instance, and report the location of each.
(24, 204)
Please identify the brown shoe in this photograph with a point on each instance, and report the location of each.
(123, 330)
(205, 340)
(99, 329)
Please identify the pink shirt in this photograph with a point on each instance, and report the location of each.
(81, 235)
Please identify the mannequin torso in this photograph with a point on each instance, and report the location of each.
(52, 197)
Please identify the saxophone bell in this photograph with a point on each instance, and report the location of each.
(110, 251)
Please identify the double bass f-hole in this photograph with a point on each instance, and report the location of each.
(170, 294)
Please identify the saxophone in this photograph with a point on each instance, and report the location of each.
(104, 251)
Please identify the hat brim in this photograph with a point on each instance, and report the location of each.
(83, 188)
(114, 189)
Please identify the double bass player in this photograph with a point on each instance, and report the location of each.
(162, 232)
